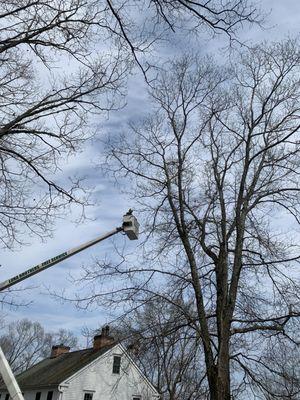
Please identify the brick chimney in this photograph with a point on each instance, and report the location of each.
(58, 350)
(103, 339)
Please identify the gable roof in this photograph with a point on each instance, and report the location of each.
(133, 364)
(52, 371)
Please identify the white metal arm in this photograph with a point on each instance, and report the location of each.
(130, 226)
(54, 260)
(9, 379)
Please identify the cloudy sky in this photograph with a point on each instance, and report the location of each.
(282, 21)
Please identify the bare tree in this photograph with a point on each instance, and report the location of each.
(162, 16)
(280, 373)
(219, 17)
(25, 343)
(166, 349)
(45, 109)
(215, 171)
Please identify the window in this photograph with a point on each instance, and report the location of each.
(49, 395)
(136, 398)
(37, 395)
(88, 396)
(116, 365)
(7, 397)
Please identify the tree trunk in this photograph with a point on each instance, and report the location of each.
(219, 375)
(219, 381)
(223, 377)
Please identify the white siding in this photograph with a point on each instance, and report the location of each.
(99, 379)
(30, 394)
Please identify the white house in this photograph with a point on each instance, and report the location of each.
(103, 372)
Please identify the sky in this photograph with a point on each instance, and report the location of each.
(38, 304)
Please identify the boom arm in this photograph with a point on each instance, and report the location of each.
(130, 226)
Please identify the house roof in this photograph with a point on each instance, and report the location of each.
(52, 371)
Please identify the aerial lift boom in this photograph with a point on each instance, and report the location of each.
(130, 227)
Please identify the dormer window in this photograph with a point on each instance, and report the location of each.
(116, 365)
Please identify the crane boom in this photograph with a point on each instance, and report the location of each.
(54, 260)
(130, 226)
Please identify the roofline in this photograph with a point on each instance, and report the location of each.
(86, 366)
(55, 385)
(125, 352)
(139, 370)
(130, 359)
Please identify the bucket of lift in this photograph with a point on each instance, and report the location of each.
(130, 226)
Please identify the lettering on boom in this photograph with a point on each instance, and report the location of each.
(37, 267)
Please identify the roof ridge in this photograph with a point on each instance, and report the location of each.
(51, 371)
(76, 351)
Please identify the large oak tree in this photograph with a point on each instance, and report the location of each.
(215, 171)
